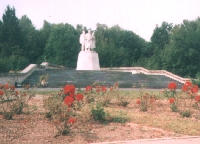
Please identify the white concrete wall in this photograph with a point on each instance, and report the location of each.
(137, 70)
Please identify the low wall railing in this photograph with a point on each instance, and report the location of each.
(137, 70)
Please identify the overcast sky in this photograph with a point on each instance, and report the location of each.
(139, 16)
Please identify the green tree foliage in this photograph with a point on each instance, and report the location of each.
(63, 45)
(118, 47)
(11, 35)
(161, 35)
(1, 42)
(80, 28)
(31, 49)
(12, 53)
(42, 37)
(182, 54)
(1, 26)
(154, 49)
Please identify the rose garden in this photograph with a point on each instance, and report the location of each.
(84, 115)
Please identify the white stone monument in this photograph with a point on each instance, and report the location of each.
(88, 59)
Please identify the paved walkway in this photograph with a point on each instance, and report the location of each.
(170, 140)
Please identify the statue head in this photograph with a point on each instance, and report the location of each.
(89, 31)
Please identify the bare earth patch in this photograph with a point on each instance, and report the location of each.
(33, 127)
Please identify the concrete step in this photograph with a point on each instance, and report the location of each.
(58, 78)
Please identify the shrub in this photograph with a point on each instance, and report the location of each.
(105, 93)
(122, 101)
(174, 108)
(63, 108)
(196, 106)
(99, 114)
(144, 101)
(12, 101)
(143, 106)
(106, 99)
(185, 113)
(119, 119)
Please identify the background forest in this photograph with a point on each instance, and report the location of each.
(175, 48)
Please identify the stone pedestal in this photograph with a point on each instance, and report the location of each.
(88, 60)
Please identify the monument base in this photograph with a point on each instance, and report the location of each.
(88, 60)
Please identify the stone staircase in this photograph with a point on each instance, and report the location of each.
(58, 78)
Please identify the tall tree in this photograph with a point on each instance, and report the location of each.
(12, 53)
(63, 45)
(111, 41)
(1, 41)
(31, 49)
(182, 54)
(11, 34)
(159, 40)
(42, 37)
(161, 35)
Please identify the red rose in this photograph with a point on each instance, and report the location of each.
(1, 92)
(6, 86)
(69, 89)
(172, 86)
(188, 83)
(171, 100)
(197, 98)
(71, 120)
(88, 88)
(138, 101)
(71, 94)
(68, 100)
(12, 87)
(194, 89)
(103, 89)
(79, 97)
(152, 100)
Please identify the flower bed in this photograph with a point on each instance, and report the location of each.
(101, 113)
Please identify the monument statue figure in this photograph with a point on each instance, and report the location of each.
(93, 42)
(82, 40)
(88, 59)
(88, 40)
